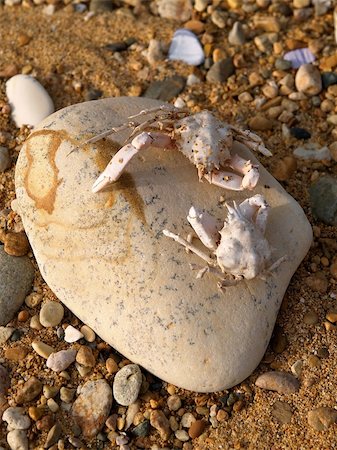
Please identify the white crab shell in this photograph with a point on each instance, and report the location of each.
(204, 140)
(243, 250)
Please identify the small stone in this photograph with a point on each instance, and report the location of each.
(142, 429)
(30, 390)
(4, 385)
(279, 340)
(75, 442)
(16, 353)
(196, 26)
(282, 412)
(285, 168)
(174, 402)
(308, 80)
(197, 428)
(92, 407)
(85, 356)
(329, 79)
(33, 300)
(314, 361)
(281, 382)
(92, 94)
(61, 360)
(182, 435)
(219, 18)
(311, 151)
(220, 71)
(52, 405)
(331, 316)
(29, 101)
(127, 383)
(45, 423)
(51, 314)
(42, 349)
(5, 160)
(299, 133)
(317, 282)
(260, 123)
(270, 24)
(160, 422)
(322, 418)
(166, 89)
(310, 318)
(71, 334)
(111, 366)
(16, 418)
(236, 36)
(53, 435)
(50, 391)
(282, 64)
(5, 334)
(88, 334)
(323, 199)
(179, 10)
(35, 323)
(23, 316)
(187, 420)
(9, 71)
(16, 277)
(66, 394)
(16, 244)
(333, 270)
(297, 367)
(17, 440)
(100, 6)
(36, 412)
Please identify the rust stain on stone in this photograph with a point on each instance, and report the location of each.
(126, 186)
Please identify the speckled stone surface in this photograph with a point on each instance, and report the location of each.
(104, 255)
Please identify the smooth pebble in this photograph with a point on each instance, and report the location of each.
(237, 36)
(30, 390)
(29, 100)
(5, 334)
(71, 334)
(17, 440)
(322, 418)
(185, 46)
(323, 199)
(126, 385)
(281, 382)
(282, 412)
(308, 80)
(42, 349)
(16, 418)
(88, 334)
(61, 360)
(51, 314)
(160, 422)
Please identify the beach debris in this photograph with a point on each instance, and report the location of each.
(299, 57)
(185, 46)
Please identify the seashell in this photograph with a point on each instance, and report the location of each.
(299, 57)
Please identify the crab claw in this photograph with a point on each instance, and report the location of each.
(249, 181)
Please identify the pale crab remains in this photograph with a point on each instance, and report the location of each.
(239, 247)
(202, 138)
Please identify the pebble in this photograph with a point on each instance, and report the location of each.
(17, 440)
(5, 160)
(186, 47)
(166, 89)
(236, 36)
(142, 429)
(42, 349)
(71, 334)
(111, 366)
(180, 10)
(4, 384)
(220, 71)
(5, 334)
(300, 133)
(53, 435)
(127, 383)
(16, 277)
(299, 57)
(322, 418)
(66, 394)
(85, 356)
(285, 168)
(182, 435)
(16, 353)
(308, 80)
(219, 18)
(282, 412)
(329, 79)
(61, 360)
(50, 391)
(260, 123)
(35, 323)
(160, 422)
(323, 199)
(187, 420)
(310, 318)
(29, 100)
(133, 409)
(174, 402)
(30, 390)
(313, 152)
(92, 407)
(281, 382)
(282, 64)
(197, 428)
(16, 418)
(51, 314)
(297, 368)
(88, 334)
(16, 244)
(52, 405)
(154, 52)
(99, 6)
(33, 300)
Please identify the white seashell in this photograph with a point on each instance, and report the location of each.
(299, 57)
(186, 47)
(29, 100)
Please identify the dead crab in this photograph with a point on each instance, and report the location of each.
(201, 137)
(240, 249)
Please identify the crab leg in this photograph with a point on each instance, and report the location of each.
(246, 168)
(251, 140)
(205, 226)
(120, 160)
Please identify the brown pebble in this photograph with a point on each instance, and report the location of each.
(31, 389)
(329, 326)
(317, 282)
(23, 39)
(282, 412)
(331, 316)
(279, 341)
(314, 361)
(160, 422)
(222, 415)
(9, 71)
(323, 352)
(321, 418)
(53, 435)
(281, 382)
(285, 168)
(36, 412)
(238, 406)
(85, 357)
(16, 244)
(23, 316)
(195, 25)
(16, 353)
(45, 423)
(111, 366)
(197, 428)
(333, 270)
(260, 123)
(310, 318)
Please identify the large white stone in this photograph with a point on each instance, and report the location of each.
(29, 100)
(105, 257)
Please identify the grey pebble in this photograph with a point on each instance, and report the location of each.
(61, 360)
(98, 6)
(16, 418)
(51, 314)
(142, 429)
(236, 36)
(282, 64)
(282, 412)
(5, 334)
(328, 79)
(281, 382)
(323, 199)
(166, 89)
(17, 440)
(5, 160)
(220, 71)
(16, 278)
(127, 383)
